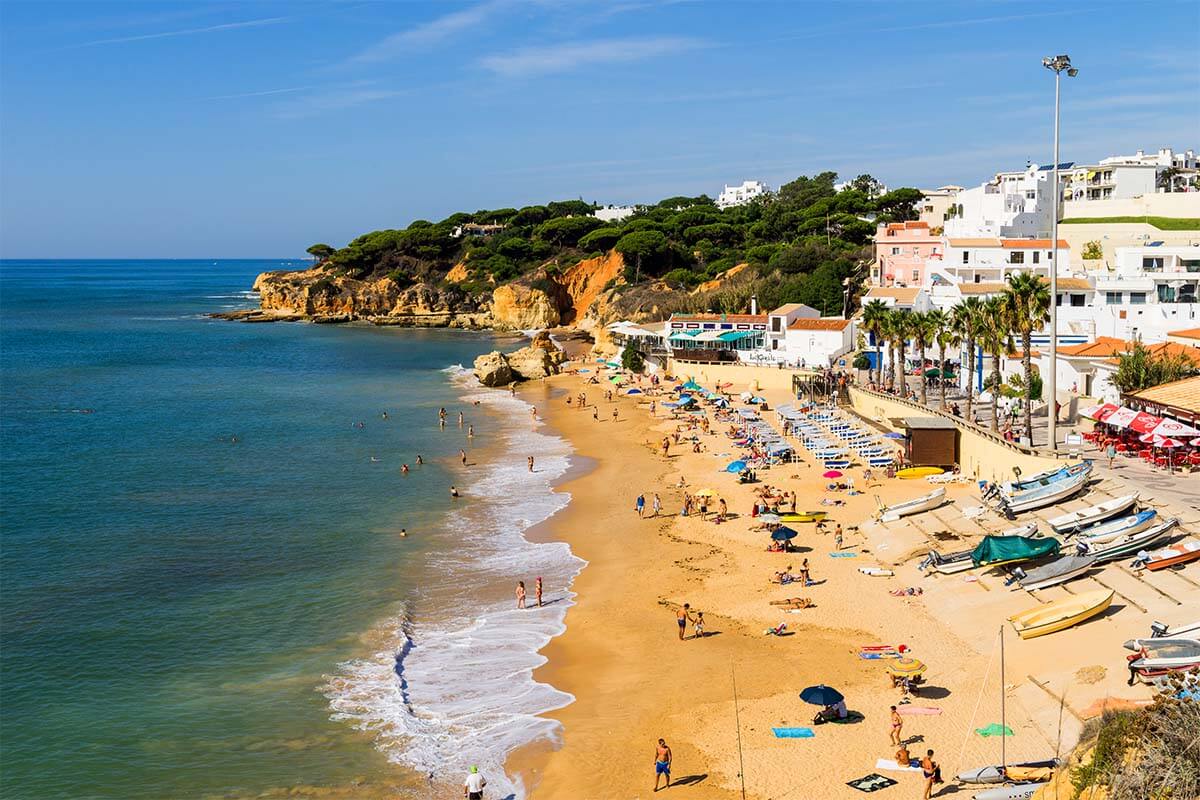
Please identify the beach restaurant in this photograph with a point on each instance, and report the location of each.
(1160, 425)
(715, 337)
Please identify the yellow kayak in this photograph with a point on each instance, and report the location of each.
(807, 516)
(918, 472)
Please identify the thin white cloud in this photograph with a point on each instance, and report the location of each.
(866, 28)
(228, 26)
(263, 93)
(427, 34)
(528, 61)
(336, 98)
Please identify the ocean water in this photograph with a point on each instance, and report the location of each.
(203, 589)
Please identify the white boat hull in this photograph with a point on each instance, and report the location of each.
(1090, 516)
(926, 503)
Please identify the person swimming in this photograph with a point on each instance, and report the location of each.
(404, 469)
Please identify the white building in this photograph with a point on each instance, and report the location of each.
(740, 195)
(614, 213)
(1087, 369)
(1109, 181)
(935, 205)
(1012, 204)
(1165, 157)
(990, 260)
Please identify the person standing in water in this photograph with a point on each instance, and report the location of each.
(470, 431)
(460, 419)
(520, 594)
(454, 491)
(530, 463)
(537, 590)
(462, 456)
(420, 460)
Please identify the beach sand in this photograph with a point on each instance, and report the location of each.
(634, 681)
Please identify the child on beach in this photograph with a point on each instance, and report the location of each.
(698, 625)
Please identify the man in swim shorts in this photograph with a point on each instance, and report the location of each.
(683, 618)
(662, 763)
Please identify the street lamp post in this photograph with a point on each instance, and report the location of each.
(1058, 64)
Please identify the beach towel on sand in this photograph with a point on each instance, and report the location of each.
(793, 733)
(879, 655)
(914, 765)
(871, 783)
(843, 554)
(909, 711)
(995, 729)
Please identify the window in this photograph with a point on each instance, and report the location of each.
(1077, 301)
(1166, 294)
(1016, 258)
(1137, 298)
(895, 251)
(978, 278)
(776, 324)
(1112, 298)
(966, 256)
(916, 275)
(1154, 264)
(1036, 256)
(1030, 194)
(1058, 299)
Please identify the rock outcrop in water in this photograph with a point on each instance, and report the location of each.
(540, 359)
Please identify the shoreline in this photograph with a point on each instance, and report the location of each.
(633, 681)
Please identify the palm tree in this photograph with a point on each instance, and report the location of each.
(939, 326)
(923, 332)
(995, 337)
(1027, 299)
(902, 329)
(874, 314)
(965, 321)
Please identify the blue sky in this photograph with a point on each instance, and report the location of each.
(254, 129)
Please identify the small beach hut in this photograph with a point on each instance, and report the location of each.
(931, 441)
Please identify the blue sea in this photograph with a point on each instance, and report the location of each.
(204, 591)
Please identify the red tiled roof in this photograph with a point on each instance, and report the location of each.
(810, 324)
(1187, 333)
(1103, 346)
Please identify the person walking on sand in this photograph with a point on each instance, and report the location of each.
(530, 460)
(614, 413)
(1111, 453)
(473, 785)
(596, 413)
(639, 505)
(897, 726)
(698, 625)
(662, 763)
(462, 456)
(722, 510)
(656, 504)
(666, 446)
(537, 590)
(837, 538)
(932, 772)
(520, 594)
(682, 618)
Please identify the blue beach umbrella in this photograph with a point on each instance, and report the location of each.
(693, 386)
(782, 534)
(634, 391)
(736, 466)
(821, 695)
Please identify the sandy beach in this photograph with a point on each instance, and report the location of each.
(634, 681)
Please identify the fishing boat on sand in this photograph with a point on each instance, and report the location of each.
(960, 560)
(1117, 527)
(1155, 657)
(1130, 543)
(1186, 630)
(996, 774)
(1010, 488)
(1093, 514)
(1172, 556)
(1061, 570)
(1061, 614)
(916, 506)
(1042, 496)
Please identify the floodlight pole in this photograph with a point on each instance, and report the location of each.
(1057, 64)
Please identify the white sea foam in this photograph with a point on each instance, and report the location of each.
(442, 695)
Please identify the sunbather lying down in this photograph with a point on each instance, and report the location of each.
(793, 603)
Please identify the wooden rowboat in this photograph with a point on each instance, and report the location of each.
(1090, 516)
(916, 506)
(1061, 614)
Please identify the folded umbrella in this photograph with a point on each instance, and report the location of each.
(821, 695)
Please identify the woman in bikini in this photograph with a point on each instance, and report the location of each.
(520, 594)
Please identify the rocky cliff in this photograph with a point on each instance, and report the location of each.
(541, 358)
